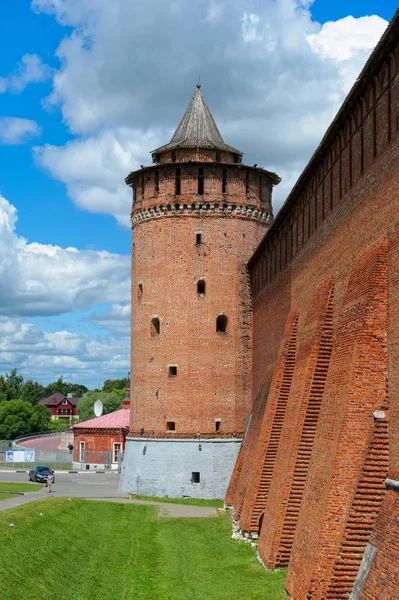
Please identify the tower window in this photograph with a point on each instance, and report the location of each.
(201, 181)
(156, 182)
(177, 182)
(201, 286)
(195, 477)
(170, 425)
(173, 157)
(247, 183)
(155, 326)
(224, 181)
(218, 422)
(140, 291)
(221, 324)
(198, 238)
(172, 370)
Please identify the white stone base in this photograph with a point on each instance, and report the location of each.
(165, 467)
(82, 466)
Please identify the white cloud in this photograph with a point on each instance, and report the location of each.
(29, 70)
(39, 279)
(45, 356)
(273, 79)
(94, 168)
(116, 319)
(14, 130)
(348, 42)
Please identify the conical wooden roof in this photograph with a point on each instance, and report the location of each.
(197, 128)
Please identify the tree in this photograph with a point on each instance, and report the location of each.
(77, 389)
(111, 401)
(63, 387)
(57, 386)
(32, 392)
(115, 384)
(18, 417)
(10, 385)
(40, 419)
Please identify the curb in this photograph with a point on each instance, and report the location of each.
(114, 472)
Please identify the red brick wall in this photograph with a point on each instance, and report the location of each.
(97, 442)
(213, 369)
(332, 258)
(382, 582)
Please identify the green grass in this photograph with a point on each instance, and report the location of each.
(20, 487)
(89, 550)
(17, 487)
(190, 501)
(28, 466)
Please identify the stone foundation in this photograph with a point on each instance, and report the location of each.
(167, 468)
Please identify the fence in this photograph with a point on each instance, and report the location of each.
(87, 459)
(26, 459)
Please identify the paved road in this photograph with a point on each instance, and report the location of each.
(95, 486)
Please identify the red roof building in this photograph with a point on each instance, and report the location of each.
(98, 442)
(61, 406)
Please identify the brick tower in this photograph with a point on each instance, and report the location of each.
(198, 214)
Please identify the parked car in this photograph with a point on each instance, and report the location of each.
(39, 474)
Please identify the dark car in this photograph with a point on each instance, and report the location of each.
(39, 474)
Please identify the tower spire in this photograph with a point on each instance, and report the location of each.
(197, 128)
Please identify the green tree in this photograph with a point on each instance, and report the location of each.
(14, 384)
(18, 417)
(115, 384)
(111, 401)
(77, 389)
(40, 419)
(63, 387)
(32, 392)
(56, 386)
(3, 389)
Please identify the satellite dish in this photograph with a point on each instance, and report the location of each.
(98, 408)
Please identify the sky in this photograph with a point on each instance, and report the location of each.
(87, 89)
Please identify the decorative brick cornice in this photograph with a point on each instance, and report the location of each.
(171, 210)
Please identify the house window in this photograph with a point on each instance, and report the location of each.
(177, 182)
(116, 448)
(195, 477)
(201, 286)
(82, 446)
(64, 402)
(172, 370)
(155, 326)
(198, 238)
(221, 324)
(170, 425)
(201, 181)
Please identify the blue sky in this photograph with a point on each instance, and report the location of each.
(87, 89)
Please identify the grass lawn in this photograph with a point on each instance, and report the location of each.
(87, 550)
(190, 501)
(17, 487)
(27, 466)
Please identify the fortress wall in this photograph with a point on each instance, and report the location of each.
(325, 340)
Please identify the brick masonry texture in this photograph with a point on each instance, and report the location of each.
(197, 217)
(324, 431)
(212, 381)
